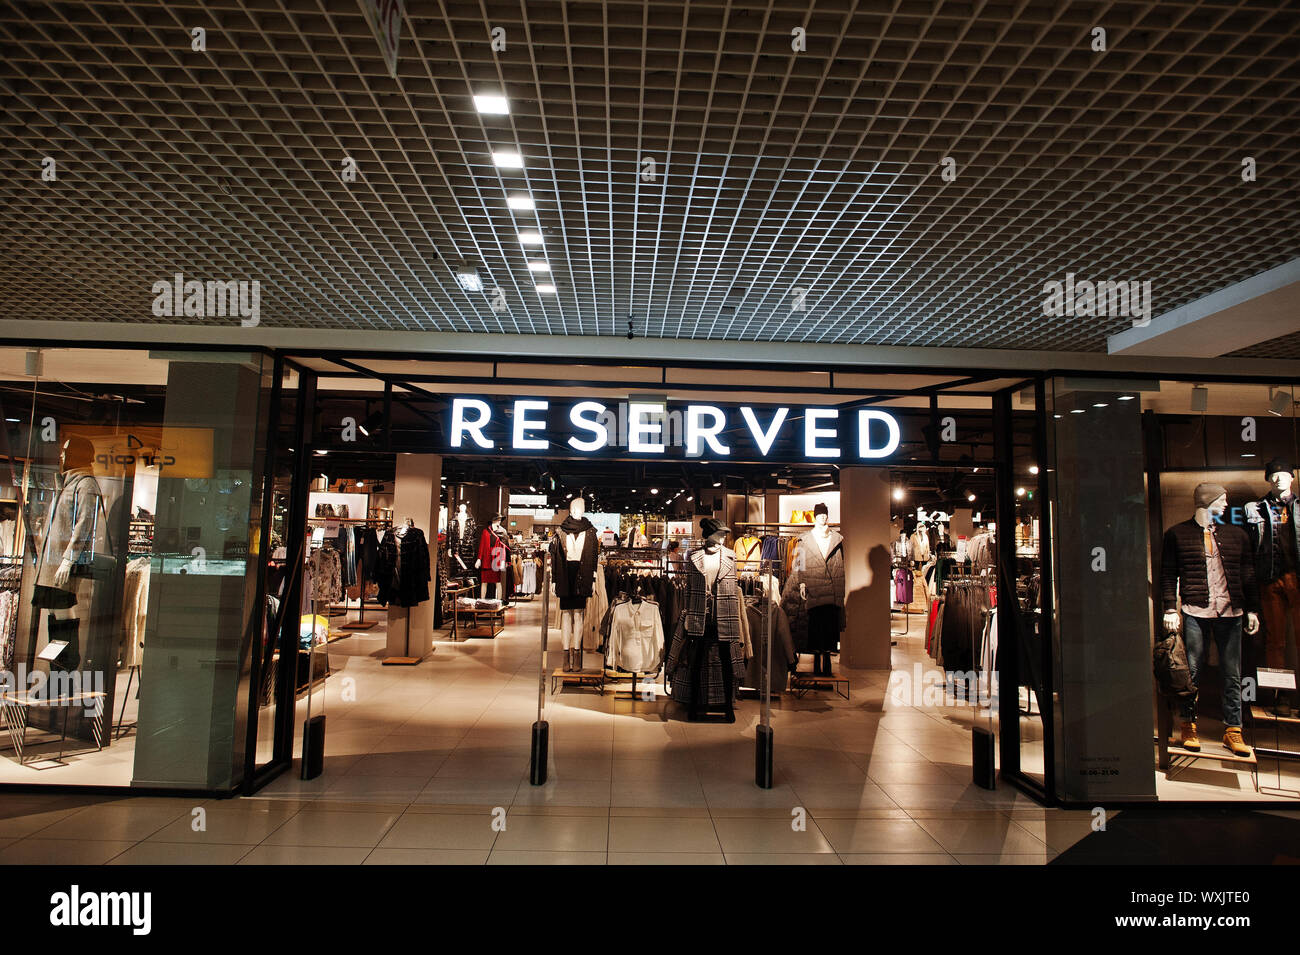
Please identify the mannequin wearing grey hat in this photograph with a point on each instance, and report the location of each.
(1207, 571)
(1274, 526)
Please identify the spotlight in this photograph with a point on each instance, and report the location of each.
(1033, 469)
(970, 497)
(654, 490)
(322, 452)
(1279, 404)
(492, 105)
(1077, 410)
(1127, 397)
(1020, 492)
(1102, 404)
(898, 494)
(1200, 398)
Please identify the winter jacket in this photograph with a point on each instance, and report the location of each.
(1182, 567)
(783, 654)
(493, 556)
(462, 542)
(822, 577)
(727, 594)
(402, 568)
(77, 531)
(585, 581)
(1267, 566)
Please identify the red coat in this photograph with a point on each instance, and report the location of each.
(493, 556)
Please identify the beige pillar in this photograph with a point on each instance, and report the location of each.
(416, 493)
(864, 522)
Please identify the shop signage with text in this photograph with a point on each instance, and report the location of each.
(484, 425)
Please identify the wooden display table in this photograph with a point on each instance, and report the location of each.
(801, 683)
(495, 621)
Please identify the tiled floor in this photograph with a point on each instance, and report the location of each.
(430, 765)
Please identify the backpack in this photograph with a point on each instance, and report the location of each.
(1173, 675)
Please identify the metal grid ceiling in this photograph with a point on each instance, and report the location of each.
(776, 170)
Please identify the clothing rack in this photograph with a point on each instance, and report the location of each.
(381, 523)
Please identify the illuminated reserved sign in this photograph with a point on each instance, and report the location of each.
(654, 429)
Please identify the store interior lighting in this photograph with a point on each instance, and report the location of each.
(537, 266)
(545, 289)
(468, 277)
(1033, 469)
(507, 159)
(521, 201)
(491, 104)
(529, 237)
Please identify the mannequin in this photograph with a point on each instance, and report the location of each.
(573, 562)
(819, 579)
(493, 557)
(1209, 568)
(707, 659)
(462, 544)
(1273, 523)
(73, 536)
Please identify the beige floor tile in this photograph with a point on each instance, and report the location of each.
(16, 824)
(817, 797)
(318, 827)
(1006, 858)
(666, 858)
(181, 853)
(420, 830)
(574, 793)
(768, 835)
(877, 836)
(898, 858)
(38, 851)
(664, 834)
(385, 789)
(543, 857)
(235, 824)
(783, 858)
(745, 795)
(994, 835)
(116, 823)
(468, 792)
(419, 763)
(658, 793)
(382, 856)
(554, 833)
(305, 855)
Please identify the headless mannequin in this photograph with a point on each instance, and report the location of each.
(572, 622)
(1279, 600)
(461, 520)
(489, 588)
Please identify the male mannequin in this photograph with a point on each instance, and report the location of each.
(573, 572)
(1274, 525)
(1210, 568)
(820, 576)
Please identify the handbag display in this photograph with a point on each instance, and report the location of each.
(90, 563)
(68, 630)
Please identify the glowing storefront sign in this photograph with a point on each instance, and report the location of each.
(647, 428)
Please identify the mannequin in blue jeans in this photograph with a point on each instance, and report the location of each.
(1213, 568)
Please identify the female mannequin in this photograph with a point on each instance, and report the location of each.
(573, 561)
(707, 659)
(462, 545)
(820, 582)
(493, 557)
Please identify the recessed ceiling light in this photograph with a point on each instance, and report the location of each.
(468, 278)
(1033, 469)
(970, 497)
(1078, 410)
(545, 289)
(654, 490)
(1127, 397)
(1020, 492)
(530, 238)
(520, 201)
(1102, 404)
(538, 266)
(321, 452)
(1056, 416)
(361, 484)
(717, 484)
(492, 104)
(508, 159)
(898, 494)
(1246, 454)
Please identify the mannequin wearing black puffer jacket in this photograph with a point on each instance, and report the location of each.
(1182, 562)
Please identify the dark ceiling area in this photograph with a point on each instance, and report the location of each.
(907, 173)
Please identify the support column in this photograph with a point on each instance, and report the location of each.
(864, 522)
(416, 494)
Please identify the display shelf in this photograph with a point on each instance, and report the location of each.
(562, 677)
(801, 683)
(1223, 756)
(496, 622)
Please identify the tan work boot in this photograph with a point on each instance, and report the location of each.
(1189, 739)
(1232, 740)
